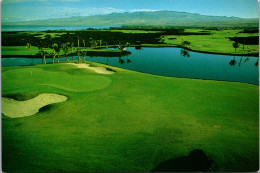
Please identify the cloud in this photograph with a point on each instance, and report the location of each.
(21, 1)
(67, 0)
(142, 10)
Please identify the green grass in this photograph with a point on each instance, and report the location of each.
(214, 43)
(217, 42)
(136, 31)
(19, 50)
(22, 50)
(128, 121)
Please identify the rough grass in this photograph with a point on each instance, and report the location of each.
(131, 125)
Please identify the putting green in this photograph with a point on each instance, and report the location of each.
(16, 109)
(31, 77)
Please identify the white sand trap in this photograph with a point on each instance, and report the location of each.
(16, 109)
(101, 70)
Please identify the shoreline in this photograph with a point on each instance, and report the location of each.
(104, 65)
(200, 51)
(115, 54)
(176, 76)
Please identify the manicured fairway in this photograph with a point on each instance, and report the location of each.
(127, 121)
(216, 42)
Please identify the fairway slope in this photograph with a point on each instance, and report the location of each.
(128, 121)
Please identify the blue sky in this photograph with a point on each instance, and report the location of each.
(26, 10)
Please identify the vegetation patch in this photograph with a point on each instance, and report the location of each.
(251, 40)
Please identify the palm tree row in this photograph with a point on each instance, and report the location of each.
(57, 47)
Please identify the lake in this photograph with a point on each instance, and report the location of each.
(175, 63)
(46, 28)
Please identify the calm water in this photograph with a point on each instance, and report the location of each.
(170, 62)
(45, 28)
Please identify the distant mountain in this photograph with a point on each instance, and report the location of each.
(168, 18)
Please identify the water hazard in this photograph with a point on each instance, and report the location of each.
(174, 62)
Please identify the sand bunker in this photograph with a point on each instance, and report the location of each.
(101, 70)
(16, 109)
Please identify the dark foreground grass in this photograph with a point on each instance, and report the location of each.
(128, 121)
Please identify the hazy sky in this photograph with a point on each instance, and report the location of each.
(24, 10)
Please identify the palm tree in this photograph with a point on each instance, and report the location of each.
(84, 42)
(248, 50)
(84, 54)
(58, 52)
(29, 46)
(185, 43)
(65, 48)
(71, 48)
(78, 52)
(121, 47)
(43, 54)
(93, 43)
(106, 46)
(55, 49)
(235, 45)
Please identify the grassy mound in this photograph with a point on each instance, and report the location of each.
(133, 124)
(28, 77)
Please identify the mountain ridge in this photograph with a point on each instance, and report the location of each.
(163, 17)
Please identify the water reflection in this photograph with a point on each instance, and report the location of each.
(128, 60)
(107, 61)
(185, 53)
(256, 64)
(240, 62)
(247, 59)
(171, 62)
(233, 62)
(120, 60)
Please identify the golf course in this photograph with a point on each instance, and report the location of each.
(126, 121)
(129, 96)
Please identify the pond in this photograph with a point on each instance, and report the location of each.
(175, 62)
